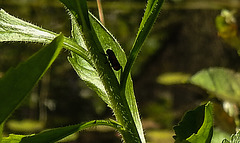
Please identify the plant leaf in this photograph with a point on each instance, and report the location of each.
(150, 16)
(53, 135)
(14, 29)
(18, 82)
(88, 74)
(224, 83)
(107, 41)
(196, 125)
(17, 30)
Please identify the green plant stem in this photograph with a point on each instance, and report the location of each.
(117, 97)
(118, 102)
(73, 46)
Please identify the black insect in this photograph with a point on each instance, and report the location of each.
(113, 60)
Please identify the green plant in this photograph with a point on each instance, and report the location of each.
(88, 43)
(221, 83)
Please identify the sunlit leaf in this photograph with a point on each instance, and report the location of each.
(196, 126)
(18, 82)
(14, 29)
(223, 83)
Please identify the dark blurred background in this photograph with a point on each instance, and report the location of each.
(184, 39)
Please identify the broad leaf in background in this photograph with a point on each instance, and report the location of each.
(223, 83)
(53, 135)
(196, 126)
(18, 82)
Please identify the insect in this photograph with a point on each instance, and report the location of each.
(113, 60)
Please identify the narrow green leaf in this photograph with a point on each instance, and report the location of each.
(196, 126)
(223, 83)
(18, 82)
(151, 13)
(53, 135)
(17, 30)
(150, 16)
